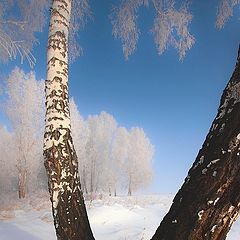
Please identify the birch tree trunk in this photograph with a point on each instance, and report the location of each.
(22, 183)
(22, 174)
(209, 200)
(130, 186)
(69, 212)
(84, 179)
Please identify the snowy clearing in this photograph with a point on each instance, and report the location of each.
(112, 218)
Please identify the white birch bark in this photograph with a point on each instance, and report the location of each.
(69, 212)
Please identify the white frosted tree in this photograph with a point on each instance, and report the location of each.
(80, 134)
(139, 162)
(8, 171)
(119, 155)
(91, 175)
(108, 154)
(107, 126)
(25, 109)
(102, 128)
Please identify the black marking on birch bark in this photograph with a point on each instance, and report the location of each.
(58, 105)
(59, 94)
(57, 43)
(56, 13)
(209, 201)
(63, 2)
(57, 34)
(64, 72)
(62, 7)
(55, 118)
(61, 62)
(57, 21)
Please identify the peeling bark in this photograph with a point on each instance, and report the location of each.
(209, 200)
(69, 212)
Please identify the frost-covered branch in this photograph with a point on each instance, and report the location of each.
(11, 49)
(124, 21)
(80, 14)
(171, 26)
(225, 11)
(18, 24)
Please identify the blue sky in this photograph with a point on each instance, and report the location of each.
(173, 101)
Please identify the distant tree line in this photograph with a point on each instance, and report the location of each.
(111, 158)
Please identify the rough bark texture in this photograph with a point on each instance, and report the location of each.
(209, 200)
(69, 212)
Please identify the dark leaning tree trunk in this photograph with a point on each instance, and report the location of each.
(209, 200)
(69, 212)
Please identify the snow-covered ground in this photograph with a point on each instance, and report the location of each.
(120, 218)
